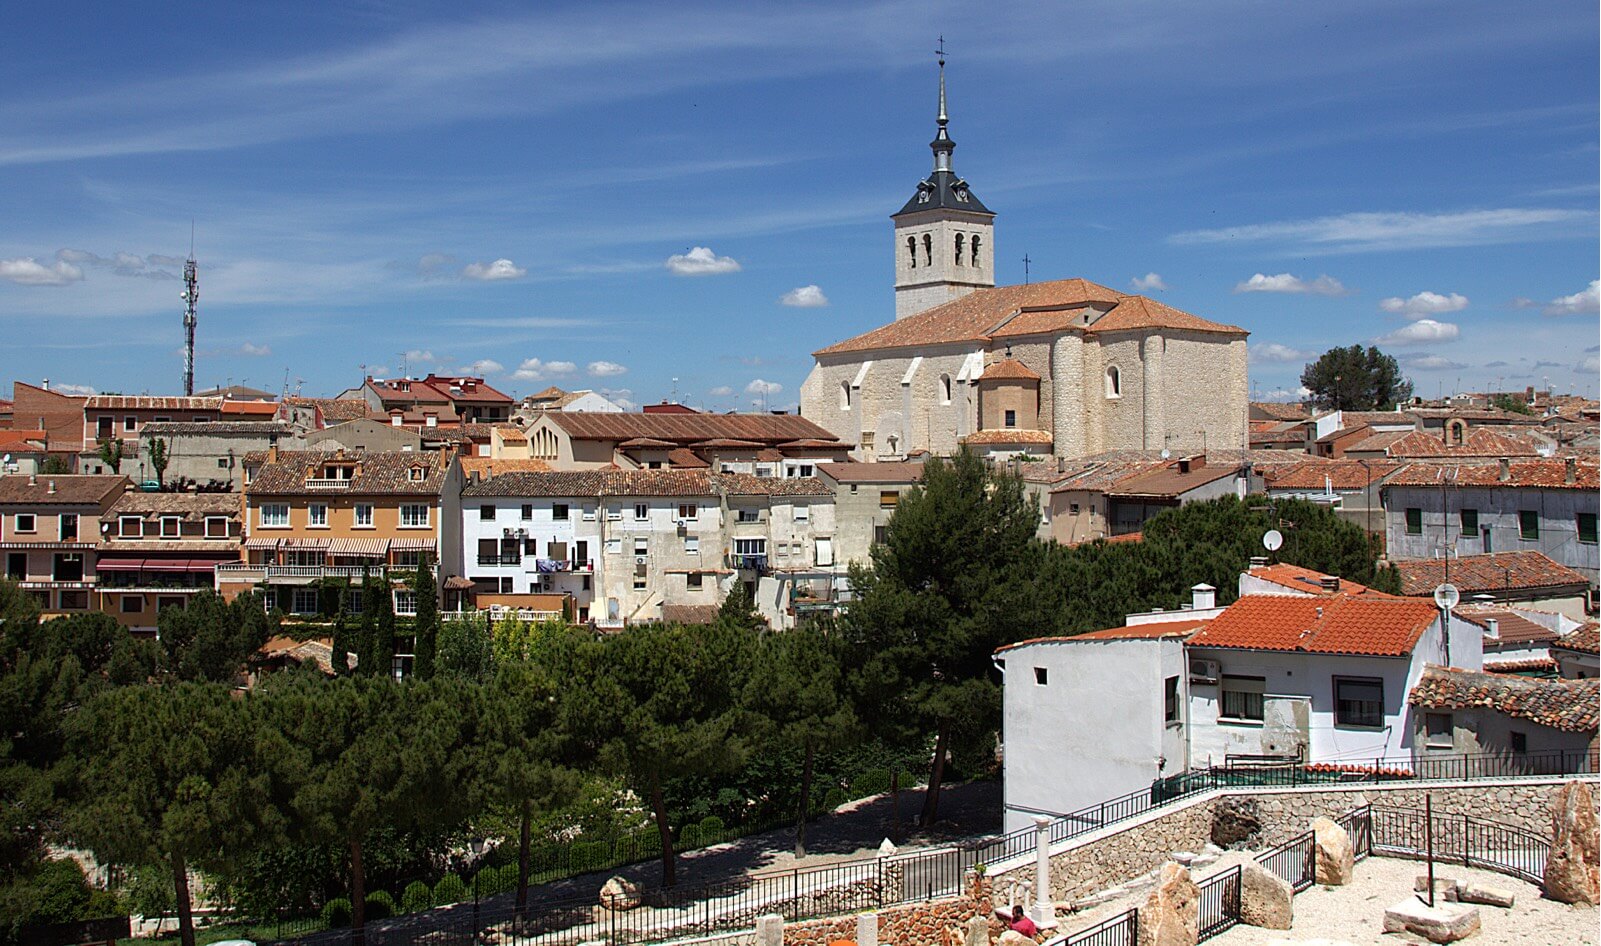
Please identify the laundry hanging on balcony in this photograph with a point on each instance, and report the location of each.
(547, 565)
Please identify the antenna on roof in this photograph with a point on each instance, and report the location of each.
(190, 296)
(1026, 261)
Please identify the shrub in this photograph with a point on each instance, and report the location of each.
(493, 880)
(834, 798)
(690, 836)
(712, 828)
(590, 855)
(336, 913)
(380, 905)
(417, 897)
(871, 782)
(450, 889)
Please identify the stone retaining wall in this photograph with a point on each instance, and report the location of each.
(929, 923)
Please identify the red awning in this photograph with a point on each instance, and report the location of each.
(179, 565)
(113, 564)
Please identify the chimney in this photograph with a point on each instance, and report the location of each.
(272, 453)
(1570, 470)
(1061, 464)
(33, 479)
(1492, 628)
(52, 489)
(1203, 597)
(46, 384)
(1505, 472)
(1320, 612)
(395, 417)
(1258, 561)
(1330, 583)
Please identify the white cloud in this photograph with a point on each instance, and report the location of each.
(1274, 353)
(1284, 282)
(622, 397)
(1284, 395)
(1363, 232)
(722, 390)
(490, 272)
(763, 387)
(60, 388)
(532, 369)
(1588, 366)
(122, 263)
(483, 366)
(420, 356)
(1150, 282)
(250, 348)
(1584, 302)
(701, 261)
(27, 271)
(1425, 303)
(1420, 332)
(434, 265)
(606, 369)
(1433, 363)
(804, 297)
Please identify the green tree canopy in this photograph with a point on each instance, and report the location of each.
(212, 639)
(425, 627)
(1356, 379)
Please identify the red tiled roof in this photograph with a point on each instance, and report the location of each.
(1341, 624)
(376, 473)
(1511, 627)
(487, 466)
(640, 443)
(140, 402)
(1490, 574)
(335, 410)
(871, 472)
(1479, 443)
(1523, 474)
(1169, 481)
(65, 489)
(1496, 664)
(1182, 628)
(1028, 309)
(686, 429)
(1312, 475)
(21, 440)
(1009, 369)
(1307, 581)
(1279, 410)
(1378, 440)
(1585, 640)
(251, 408)
(1568, 705)
(686, 459)
(725, 443)
(1008, 435)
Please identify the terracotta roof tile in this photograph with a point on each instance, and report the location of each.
(70, 489)
(376, 473)
(1568, 705)
(871, 472)
(141, 402)
(684, 458)
(1511, 627)
(488, 466)
(1181, 628)
(1309, 582)
(335, 410)
(1279, 410)
(1341, 624)
(216, 428)
(1139, 312)
(1523, 474)
(1312, 475)
(1488, 574)
(1585, 639)
(1008, 435)
(1169, 481)
(686, 429)
(613, 482)
(1009, 369)
(192, 506)
(1479, 443)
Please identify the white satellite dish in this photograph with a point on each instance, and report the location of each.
(1446, 596)
(1273, 540)
(1166, 453)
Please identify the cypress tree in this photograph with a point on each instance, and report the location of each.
(426, 624)
(383, 646)
(367, 633)
(341, 641)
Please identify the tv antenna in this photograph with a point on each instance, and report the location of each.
(1026, 262)
(190, 296)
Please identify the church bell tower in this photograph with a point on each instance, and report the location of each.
(944, 236)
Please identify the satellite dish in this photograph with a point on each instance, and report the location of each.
(1446, 596)
(1273, 540)
(1166, 453)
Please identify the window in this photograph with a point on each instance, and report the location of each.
(128, 527)
(641, 512)
(944, 389)
(406, 602)
(353, 601)
(1519, 741)
(304, 601)
(911, 250)
(749, 515)
(640, 576)
(364, 515)
(407, 558)
(1170, 700)
(691, 545)
(928, 249)
(133, 604)
(130, 424)
(74, 600)
(614, 514)
(528, 511)
(414, 516)
(1072, 509)
(961, 245)
(750, 546)
(171, 527)
(1470, 522)
(1358, 701)
(1042, 676)
(1587, 527)
(222, 463)
(689, 511)
(317, 515)
(888, 499)
(25, 522)
(641, 546)
(844, 395)
(416, 474)
(589, 513)
(67, 527)
(274, 516)
(880, 535)
(1528, 524)
(1114, 381)
(1438, 731)
(486, 513)
(558, 512)
(17, 565)
(803, 513)
(216, 527)
(973, 257)
(1414, 520)
(1242, 697)
(614, 546)
(1011, 419)
(694, 581)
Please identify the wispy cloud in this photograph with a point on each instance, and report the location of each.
(762, 387)
(251, 348)
(606, 369)
(1433, 363)
(1274, 353)
(804, 297)
(1369, 232)
(492, 272)
(1284, 282)
(722, 390)
(1586, 301)
(533, 369)
(701, 261)
(124, 264)
(27, 271)
(1425, 303)
(435, 265)
(1150, 282)
(1421, 332)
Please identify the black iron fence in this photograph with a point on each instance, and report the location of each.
(1461, 839)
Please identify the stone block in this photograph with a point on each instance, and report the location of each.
(1420, 884)
(978, 931)
(1573, 868)
(770, 930)
(1335, 859)
(867, 929)
(620, 893)
(1171, 915)
(1014, 938)
(1441, 923)
(1480, 893)
(1266, 899)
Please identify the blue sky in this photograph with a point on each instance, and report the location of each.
(660, 178)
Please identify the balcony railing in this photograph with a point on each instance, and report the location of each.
(750, 561)
(510, 558)
(327, 483)
(238, 571)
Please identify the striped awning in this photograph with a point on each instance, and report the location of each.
(297, 543)
(409, 544)
(261, 542)
(362, 548)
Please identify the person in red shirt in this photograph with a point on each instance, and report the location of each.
(1018, 921)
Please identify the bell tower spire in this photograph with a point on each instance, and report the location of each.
(944, 236)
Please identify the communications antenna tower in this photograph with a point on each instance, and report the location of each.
(190, 296)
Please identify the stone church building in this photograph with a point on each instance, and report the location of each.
(1064, 368)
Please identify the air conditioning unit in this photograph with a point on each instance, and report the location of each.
(641, 559)
(1205, 671)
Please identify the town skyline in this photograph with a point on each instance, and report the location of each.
(641, 203)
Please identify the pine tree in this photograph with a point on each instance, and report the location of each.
(426, 624)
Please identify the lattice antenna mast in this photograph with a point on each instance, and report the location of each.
(190, 296)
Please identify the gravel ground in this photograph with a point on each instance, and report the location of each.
(1354, 914)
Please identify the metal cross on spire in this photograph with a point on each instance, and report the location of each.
(940, 52)
(1026, 261)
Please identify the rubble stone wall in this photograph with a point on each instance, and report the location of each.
(929, 923)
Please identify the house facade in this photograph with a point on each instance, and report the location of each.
(50, 535)
(158, 549)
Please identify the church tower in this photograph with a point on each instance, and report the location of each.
(944, 237)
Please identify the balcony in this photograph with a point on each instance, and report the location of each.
(748, 561)
(511, 558)
(553, 566)
(327, 483)
(241, 572)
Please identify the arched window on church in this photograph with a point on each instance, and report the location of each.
(928, 249)
(844, 395)
(959, 241)
(944, 389)
(975, 249)
(1114, 382)
(1458, 433)
(911, 250)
